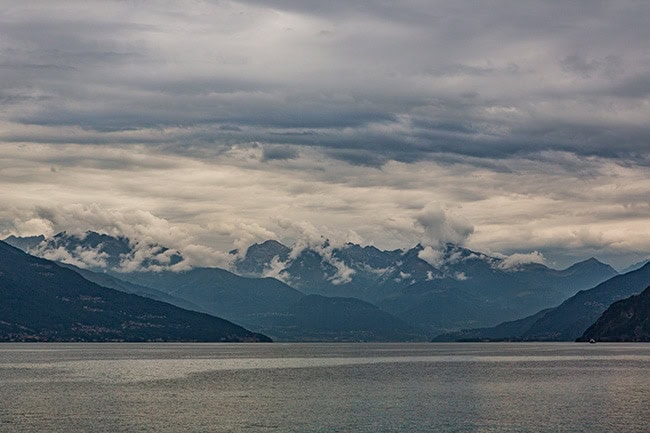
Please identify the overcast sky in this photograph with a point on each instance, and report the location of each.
(506, 126)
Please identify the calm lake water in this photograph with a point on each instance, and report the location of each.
(325, 387)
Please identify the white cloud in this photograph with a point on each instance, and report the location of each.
(377, 271)
(227, 203)
(460, 276)
(276, 269)
(440, 226)
(343, 273)
(513, 261)
(33, 227)
(60, 254)
(92, 257)
(435, 258)
(311, 239)
(402, 276)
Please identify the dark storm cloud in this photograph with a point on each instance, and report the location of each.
(637, 87)
(403, 82)
(530, 119)
(270, 153)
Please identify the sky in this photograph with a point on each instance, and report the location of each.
(511, 127)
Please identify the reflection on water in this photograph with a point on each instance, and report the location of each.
(325, 387)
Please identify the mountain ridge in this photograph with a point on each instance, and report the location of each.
(624, 320)
(434, 289)
(41, 301)
(567, 321)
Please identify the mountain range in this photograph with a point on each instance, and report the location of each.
(265, 305)
(271, 306)
(280, 290)
(450, 287)
(567, 321)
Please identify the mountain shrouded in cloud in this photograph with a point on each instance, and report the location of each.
(207, 126)
(424, 290)
(100, 251)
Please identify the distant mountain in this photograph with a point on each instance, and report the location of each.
(435, 289)
(257, 303)
(567, 321)
(259, 258)
(476, 290)
(570, 319)
(24, 243)
(635, 266)
(435, 308)
(99, 252)
(624, 320)
(272, 307)
(106, 280)
(585, 274)
(222, 293)
(320, 318)
(375, 275)
(506, 331)
(41, 301)
(350, 271)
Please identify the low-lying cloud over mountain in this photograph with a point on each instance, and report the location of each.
(433, 289)
(206, 126)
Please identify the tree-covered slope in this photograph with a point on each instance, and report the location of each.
(625, 320)
(41, 301)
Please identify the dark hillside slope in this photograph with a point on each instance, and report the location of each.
(321, 318)
(41, 301)
(222, 293)
(506, 331)
(571, 318)
(625, 320)
(567, 321)
(273, 308)
(111, 282)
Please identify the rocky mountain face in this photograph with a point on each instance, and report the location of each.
(41, 301)
(259, 258)
(624, 320)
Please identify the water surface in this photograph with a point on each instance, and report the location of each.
(479, 387)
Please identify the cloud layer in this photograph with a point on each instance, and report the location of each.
(509, 126)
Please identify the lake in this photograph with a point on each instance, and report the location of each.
(473, 387)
